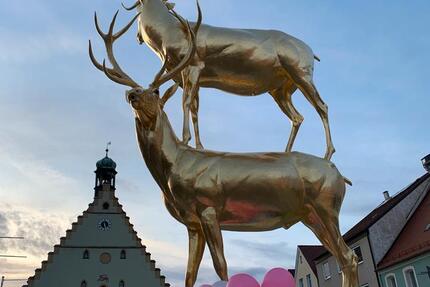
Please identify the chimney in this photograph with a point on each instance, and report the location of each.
(387, 195)
(426, 162)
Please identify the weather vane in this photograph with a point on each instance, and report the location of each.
(107, 148)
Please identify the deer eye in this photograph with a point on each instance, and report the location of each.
(157, 92)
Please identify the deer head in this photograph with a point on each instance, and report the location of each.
(146, 102)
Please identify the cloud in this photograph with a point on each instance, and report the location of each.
(26, 179)
(4, 230)
(41, 231)
(22, 47)
(265, 253)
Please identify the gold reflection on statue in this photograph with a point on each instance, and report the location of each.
(246, 62)
(210, 191)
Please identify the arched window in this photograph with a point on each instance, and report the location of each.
(391, 280)
(123, 255)
(410, 277)
(84, 283)
(121, 283)
(86, 255)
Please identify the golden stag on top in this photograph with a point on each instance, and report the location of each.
(244, 62)
(211, 191)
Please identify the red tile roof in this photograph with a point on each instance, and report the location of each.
(414, 238)
(311, 252)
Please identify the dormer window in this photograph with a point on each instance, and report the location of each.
(123, 255)
(84, 283)
(86, 255)
(121, 283)
(105, 206)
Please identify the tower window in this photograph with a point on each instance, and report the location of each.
(123, 255)
(84, 283)
(105, 205)
(121, 283)
(86, 255)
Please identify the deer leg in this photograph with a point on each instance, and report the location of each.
(282, 97)
(326, 227)
(309, 90)
(213, 235)
(196, 248)
(190, 80)
(195, 117)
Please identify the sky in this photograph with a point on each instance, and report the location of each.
(57, 112)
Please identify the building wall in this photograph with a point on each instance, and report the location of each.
(384, 232)
(302, 269)
(366, 269)
(419, 264)
(68, 269)
(104, 232)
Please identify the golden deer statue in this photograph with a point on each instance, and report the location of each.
(211, 191)
(244, 62)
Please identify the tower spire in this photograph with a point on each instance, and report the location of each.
(107, 148)
(105, 172)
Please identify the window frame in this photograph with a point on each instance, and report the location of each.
(361, 251)
(308, 280)
(410, 268)
(393, 276)
(328, 269)
(301, 283)
(123, 254)
(86, 254)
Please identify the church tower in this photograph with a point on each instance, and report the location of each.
(101, 249)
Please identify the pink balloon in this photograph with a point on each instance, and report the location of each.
(278, 277)
(242, 280)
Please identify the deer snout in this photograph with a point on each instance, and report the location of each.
(131, 97)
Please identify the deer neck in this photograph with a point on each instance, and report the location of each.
(159, 149)
(156, 25)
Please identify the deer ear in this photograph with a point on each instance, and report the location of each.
(168, 94)
(170, 6)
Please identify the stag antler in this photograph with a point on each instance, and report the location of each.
(131, 7)
(115, 73)
(160, 78)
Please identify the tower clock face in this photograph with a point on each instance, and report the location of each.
(105, 224)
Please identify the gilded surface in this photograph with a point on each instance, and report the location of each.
(245, 62)
(210, 191)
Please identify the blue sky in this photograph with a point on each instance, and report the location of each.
(57, 112)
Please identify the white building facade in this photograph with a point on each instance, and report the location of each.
(101, 249)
